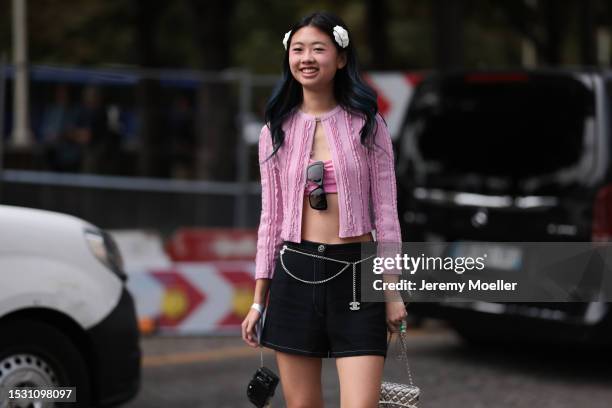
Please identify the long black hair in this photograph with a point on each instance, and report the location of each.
(350, 91)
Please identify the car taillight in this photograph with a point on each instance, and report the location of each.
(602, 215)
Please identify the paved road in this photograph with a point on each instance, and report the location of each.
(213, 372)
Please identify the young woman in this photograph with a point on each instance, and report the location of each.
(327, 177)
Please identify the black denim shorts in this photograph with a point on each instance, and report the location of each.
(316, 320)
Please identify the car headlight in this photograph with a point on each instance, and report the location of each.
(104, 247)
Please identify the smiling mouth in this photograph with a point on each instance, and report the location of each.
(308, 70)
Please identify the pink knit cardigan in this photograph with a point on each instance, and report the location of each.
(367, 193)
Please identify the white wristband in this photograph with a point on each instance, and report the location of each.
(258, 307)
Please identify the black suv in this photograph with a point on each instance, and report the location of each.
(503, 156)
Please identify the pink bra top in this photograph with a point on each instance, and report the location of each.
(329, 178)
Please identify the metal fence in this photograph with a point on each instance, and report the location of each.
(114, 195)
(134, 203)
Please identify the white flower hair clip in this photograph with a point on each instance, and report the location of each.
(287, 35)
(341, 36)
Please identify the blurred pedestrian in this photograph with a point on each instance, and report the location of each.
(182, 134)
(57, 124)
(58, 117)
(91, 129)
(327, 178)
(110, 152)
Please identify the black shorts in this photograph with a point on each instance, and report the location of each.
(315, 320)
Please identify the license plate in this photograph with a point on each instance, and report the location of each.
(494, 255)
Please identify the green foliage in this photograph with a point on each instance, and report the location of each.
(103, 32)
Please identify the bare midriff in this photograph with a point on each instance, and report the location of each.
(324, 225)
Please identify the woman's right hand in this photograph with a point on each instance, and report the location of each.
(248, 328)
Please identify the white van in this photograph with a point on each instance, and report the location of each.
(66, 318)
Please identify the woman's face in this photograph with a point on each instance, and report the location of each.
(314, 59)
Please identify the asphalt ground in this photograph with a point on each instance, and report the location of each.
(213, 371)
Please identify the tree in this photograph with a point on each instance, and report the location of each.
(376, 20)
(217, 132)
(549, 14)
(148, 94)
(587, 33)
(448, 33)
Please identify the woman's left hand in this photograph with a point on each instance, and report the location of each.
(396, 314)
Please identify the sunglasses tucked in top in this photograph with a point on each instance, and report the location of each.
(321, 180)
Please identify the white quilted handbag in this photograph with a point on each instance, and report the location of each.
(394, 395)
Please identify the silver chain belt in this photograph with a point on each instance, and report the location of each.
(354, 305)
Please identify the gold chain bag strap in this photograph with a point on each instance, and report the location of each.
(394, 395)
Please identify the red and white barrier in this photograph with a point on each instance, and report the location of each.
(394, 89)
(182, 287)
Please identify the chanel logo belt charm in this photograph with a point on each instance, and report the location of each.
(354, 304)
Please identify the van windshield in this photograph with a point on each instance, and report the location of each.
(517, 130)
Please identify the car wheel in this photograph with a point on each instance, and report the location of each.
(37, 355)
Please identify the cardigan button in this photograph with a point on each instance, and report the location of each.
(321, 248)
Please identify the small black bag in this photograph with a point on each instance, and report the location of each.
(263, 384)
(262, 387)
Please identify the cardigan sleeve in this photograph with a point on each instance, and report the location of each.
(268, 233)
(384, 194)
